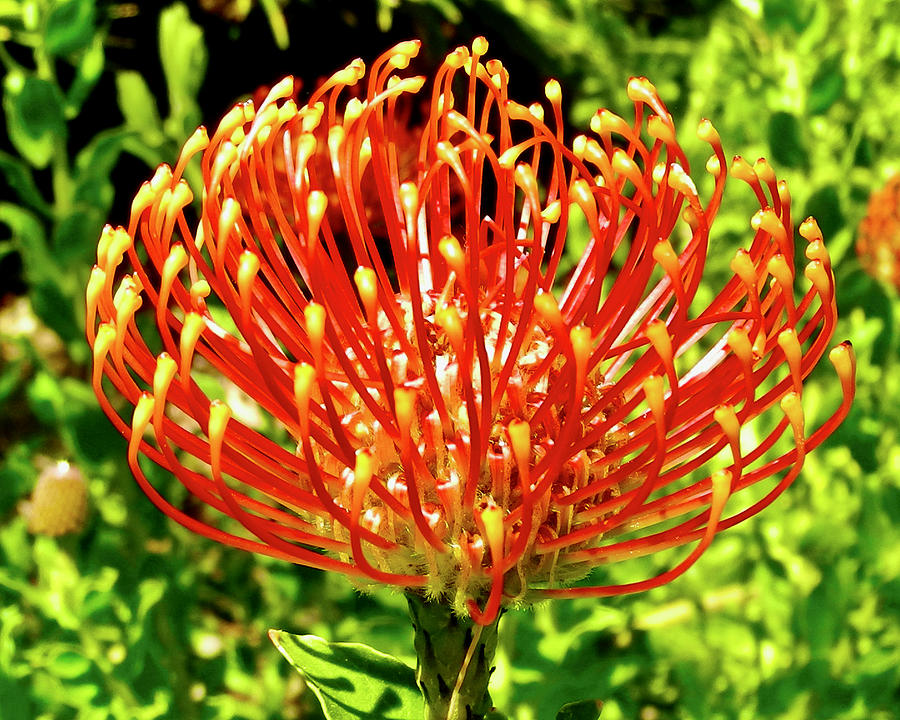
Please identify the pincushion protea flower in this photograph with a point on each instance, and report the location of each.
(453, 416)
(878, 239)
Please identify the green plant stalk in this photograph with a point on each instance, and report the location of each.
(455, 660)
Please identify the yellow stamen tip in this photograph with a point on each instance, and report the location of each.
(680, 181)
(547, 307)
(727, 419)
(767, 221)
(520, 441)
(789, 343)
(143, 411)
(742, 265)
(363, 471)
(304, 379)
(162, 376)
(409, 198)
(666, 257)
(190, 334)
(781, 271)
(197, 142)
(492, 524)
(553, 91)
(809, 230)
(640, 89)
(707, 133)
(552, 212)
(248, 267)
(367, 285)
(449, 321)
(659, 337)
(524, 178)
(106, 336)
(660, 130)
(404, 403)
(623, 164)
(742, 170)
(739, 342)
(175, 263)
(815, 272)
(231, 210)
(119, 244)
(95, 286)
(452, 253)
(219, 415)
(721, 487)
(764, 171)
(653, 390)
(844, 360)
(793, 410)
(580, 337)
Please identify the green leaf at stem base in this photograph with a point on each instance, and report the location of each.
(351, 680)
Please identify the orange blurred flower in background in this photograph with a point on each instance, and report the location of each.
(878, 239)
(443, 409)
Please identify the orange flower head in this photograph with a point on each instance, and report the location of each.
(436, 406)
(878, 239)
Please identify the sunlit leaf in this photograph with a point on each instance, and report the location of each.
(352, 681)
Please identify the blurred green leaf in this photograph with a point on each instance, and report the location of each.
(44, 397)
(786, 140)
(70, 26)
(93, 168)
(11, 374)
(352, 680)
(27, 230)
(87, 73)
(183, 54)
(69, 665)
(14, 699)
(18, 176)
(16, 478)
(138, 105)
(10, 10)
(85, 427)
(827, 86)
(74, 238)
(582, 710)
(825, 206)
(277, 22)
(786, 14)
(35, 116)
(859, 291)
(53, 290)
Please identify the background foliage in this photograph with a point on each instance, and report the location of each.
(794, 614)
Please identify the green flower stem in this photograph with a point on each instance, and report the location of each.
(455, 661)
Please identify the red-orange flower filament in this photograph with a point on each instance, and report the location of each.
(449, 420)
